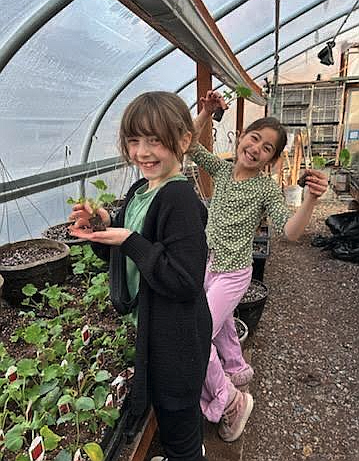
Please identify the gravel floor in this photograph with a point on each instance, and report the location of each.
(305, 354)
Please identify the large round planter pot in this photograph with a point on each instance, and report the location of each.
(46, 268)
(251, 307)
(60, 233)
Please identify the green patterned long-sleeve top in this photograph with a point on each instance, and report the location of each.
(236, 210)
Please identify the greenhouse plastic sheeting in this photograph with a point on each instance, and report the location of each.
(52, 87)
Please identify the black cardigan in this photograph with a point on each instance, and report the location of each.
(174, 322)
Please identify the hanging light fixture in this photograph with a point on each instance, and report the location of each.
(326, 54)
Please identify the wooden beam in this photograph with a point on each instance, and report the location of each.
(204, 83)
(240, 115)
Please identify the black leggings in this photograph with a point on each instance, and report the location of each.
(181, 433)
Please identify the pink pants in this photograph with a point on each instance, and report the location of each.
(224, 291)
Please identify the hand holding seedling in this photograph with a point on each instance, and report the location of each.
(89, 212)
(316, 181)
(112, 235)
(212, 101)
(82, 213)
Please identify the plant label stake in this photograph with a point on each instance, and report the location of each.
(28, 413)
(128, 373)
(37, 449)
(64, 363)
(109, 401)
(120, 386)
(80, 378)
(68, 346)
(2, 436)
(11, 374)
(78, 455)
(86, 335)
(100, 357)
(64, 408)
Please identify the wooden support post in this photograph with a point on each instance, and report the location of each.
(240, 115)
(204, 83)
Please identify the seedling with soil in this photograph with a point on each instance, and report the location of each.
(230, 96)
(102, 198)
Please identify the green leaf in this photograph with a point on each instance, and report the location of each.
(51, 439)
(27, 367)
(107, 198)
(48, 386)
(14, 437)
(65, 418)
(94, 451)
(102, 375)
(64, 399)
(85, 403)
(29, 290)
(99, 396)
(75, 250)
(109, 415)
(64, 455)
(34, 334)
(99, 184)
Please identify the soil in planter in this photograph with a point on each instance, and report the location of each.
(26, 254)
(260, 248)
(60, 232)
(255, 292)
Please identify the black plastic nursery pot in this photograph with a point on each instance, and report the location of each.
(251, 307)
(52, 269)
(261, 251)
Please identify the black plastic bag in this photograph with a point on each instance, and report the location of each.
(346, 251)
(344, 225)
(344, 243)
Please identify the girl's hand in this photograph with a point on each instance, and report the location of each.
(213, 101)
(111, 236)
(82, 213)
(317, 183)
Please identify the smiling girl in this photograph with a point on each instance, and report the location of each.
(157, 250)
(242, 194)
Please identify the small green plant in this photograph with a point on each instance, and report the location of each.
(318, 162)
(239, 92)
(85, 262)
(98, 293)
(102, 198)
(229, 96)
(52, 295)
(345, 158)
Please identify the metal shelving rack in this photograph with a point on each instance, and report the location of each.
(316, 108)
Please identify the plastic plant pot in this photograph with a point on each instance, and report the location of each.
(250, 309)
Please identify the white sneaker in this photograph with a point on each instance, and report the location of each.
(162, 458)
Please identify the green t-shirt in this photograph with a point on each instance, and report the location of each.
(134, 219)
(236, 210)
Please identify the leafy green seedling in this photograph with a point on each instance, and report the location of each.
(318, 162)
(230, 96)
(345, 158)
(102, 198)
